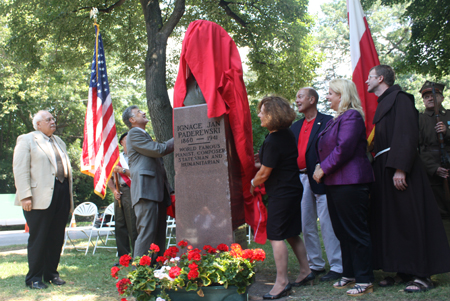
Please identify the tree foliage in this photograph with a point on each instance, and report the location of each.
(428, 50)
(46, 48)
(137, 32)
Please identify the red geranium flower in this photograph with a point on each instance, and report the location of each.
(114, 271)
(154, 248)
(125, 260)
(122, 285)
(259, 255)
(182, 243)
(248, 254)
(145, 260)
(189, 247)
(194, 254)
(123, 299)
(236, 250)
(207, 247)
(174, 272)
(161, 259)
(212, 251)
(193, 266)
(222, 247)
(171, 252)
(193, 274)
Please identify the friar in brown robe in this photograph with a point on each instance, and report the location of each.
(408, 236)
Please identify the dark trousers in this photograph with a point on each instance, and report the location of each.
(125, 223)
(151, 226)
(47, 228)
(348, 206)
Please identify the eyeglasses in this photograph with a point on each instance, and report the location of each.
(139, 112)
(368, 78)
(50, 119)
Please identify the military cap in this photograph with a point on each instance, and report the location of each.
(428, 87)
(122, 136)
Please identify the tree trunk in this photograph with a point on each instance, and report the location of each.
(158, 102)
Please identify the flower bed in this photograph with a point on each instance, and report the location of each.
(190, 271)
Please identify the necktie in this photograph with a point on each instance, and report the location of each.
(59, 164)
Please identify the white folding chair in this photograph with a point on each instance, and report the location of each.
(86, 209)
(106, 228)
(170, 231)
(249, 234)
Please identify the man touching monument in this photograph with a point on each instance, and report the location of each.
(150, 188)
(314, 201)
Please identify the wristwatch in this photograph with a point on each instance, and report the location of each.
(124, 171)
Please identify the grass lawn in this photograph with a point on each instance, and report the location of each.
(325, 291)
(88, 278)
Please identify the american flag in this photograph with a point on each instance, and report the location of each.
(100, 145)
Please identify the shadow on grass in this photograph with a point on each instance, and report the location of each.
(88, 277)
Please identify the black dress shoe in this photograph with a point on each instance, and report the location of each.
(56, 281)
(308, 278)
(37, 285)
(331, 276)
(283, 293)
(318, 272)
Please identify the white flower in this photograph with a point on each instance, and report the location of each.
(175, 259)
(160, 299)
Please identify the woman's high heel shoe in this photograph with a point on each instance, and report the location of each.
(283, 293)
(308, 278)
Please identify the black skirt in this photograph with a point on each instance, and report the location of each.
(284, 218)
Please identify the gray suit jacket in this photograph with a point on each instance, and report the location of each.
(148, 176)
(34, 170)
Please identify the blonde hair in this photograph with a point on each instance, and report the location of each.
(349, 95)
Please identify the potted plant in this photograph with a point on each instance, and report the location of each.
(193, 271)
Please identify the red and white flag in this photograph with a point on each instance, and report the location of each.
(100, 146)
(364, 57)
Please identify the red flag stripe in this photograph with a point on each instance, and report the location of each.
(364, 57)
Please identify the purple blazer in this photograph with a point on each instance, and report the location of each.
(341, 151)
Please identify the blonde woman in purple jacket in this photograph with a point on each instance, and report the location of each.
(346, 171)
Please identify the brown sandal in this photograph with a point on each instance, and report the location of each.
(360, 290)
(344, 283)
(419, 285)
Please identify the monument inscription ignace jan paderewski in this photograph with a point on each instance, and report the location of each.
(208, 187)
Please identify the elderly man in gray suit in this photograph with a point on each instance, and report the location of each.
(150, 189)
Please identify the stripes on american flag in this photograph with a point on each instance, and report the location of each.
(100, 146)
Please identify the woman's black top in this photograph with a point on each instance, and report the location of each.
(279, 151)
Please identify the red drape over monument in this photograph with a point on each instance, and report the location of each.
(212, 57)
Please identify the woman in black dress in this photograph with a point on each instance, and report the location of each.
(279, 172)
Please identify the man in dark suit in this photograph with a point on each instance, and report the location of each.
(314, 201)
(150, 189)
(43, 179)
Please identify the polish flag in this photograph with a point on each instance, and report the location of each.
(364, 57)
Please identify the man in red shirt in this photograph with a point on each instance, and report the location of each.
(314, 201)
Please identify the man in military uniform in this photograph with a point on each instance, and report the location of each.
(430, 152)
